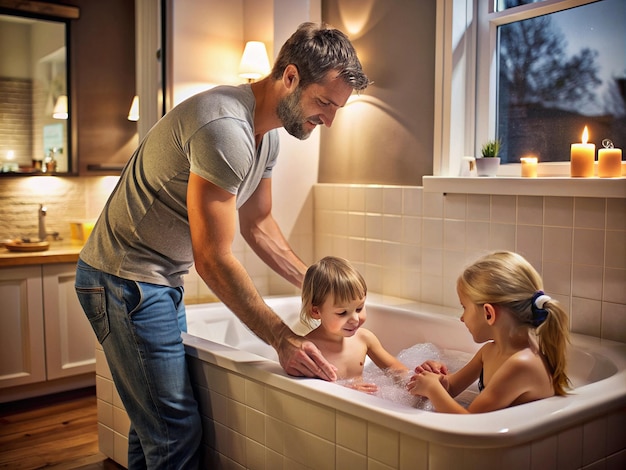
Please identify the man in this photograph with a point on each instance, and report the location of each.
(208, 159)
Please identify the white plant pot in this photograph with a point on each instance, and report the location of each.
(487, 166)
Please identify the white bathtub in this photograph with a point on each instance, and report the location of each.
(258, 417)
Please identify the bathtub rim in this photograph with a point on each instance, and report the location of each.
(477, 431)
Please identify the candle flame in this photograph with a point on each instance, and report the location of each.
(585, 135)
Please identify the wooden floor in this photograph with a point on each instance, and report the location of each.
(53, 432)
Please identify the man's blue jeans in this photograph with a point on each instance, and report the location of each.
(139, 326)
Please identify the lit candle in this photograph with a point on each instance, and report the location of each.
(609, 160)
(582, 157)
(529, 167)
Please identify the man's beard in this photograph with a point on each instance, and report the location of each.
(290, 113)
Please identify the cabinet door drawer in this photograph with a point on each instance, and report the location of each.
(70, 341)
(22, 355)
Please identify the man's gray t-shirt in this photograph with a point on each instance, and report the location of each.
(143, 231)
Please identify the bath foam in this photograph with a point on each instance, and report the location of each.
(394, 389)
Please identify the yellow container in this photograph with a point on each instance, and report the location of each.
(80, 231)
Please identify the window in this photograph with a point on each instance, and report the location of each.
(552, 70)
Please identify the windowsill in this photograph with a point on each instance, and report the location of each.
(542, 186)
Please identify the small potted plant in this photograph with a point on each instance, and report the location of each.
(489, 162)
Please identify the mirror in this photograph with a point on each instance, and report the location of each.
(34, 108)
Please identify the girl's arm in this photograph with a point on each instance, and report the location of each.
(440, 389)
(379, 355)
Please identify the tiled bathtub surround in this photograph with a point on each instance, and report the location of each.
(413, 244)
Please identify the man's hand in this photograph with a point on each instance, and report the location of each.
(301, 358)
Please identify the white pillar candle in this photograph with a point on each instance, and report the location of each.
(582, 157)
(609, 163)
(529, 167)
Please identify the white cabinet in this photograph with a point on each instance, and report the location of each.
(44, 334)
(22, 355)
(70, 340)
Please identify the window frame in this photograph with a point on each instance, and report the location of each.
(466, 79)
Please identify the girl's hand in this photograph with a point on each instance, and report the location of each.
(432, 366)
(425, 382)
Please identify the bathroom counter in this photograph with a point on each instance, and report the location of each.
(59, 252)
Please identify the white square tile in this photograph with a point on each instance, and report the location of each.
(529, 243)
(255, 455)
(501, 237)
(432, 233)
(356, 250)
(585, 316)
(433, 204)
(616, 437)
(373, 226)
(374, 199)
(557, 277)
(616, 214)
(558, 212)
(557, 244)
(340, 197)
(412, 201)
(105, 414)
(255, 425)
(383, 444)
(478, 207)
(319, 420)
(412, 230)
(589, 247)
(392, 228)
(569, 449)
(477, 235)
(544, 453)
(351, 432)
(454, 235)
(356, 224)
(530, 210)
(348, 459)
(392, 200)
(614, 324)
(455, 206)
(614, 282)
(615, 249)
(413, 453)
(105, 440)
(503, 209)
(356, 199)
(594, 440)
(590, 212)
(587, 281)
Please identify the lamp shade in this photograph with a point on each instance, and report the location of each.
(133, 113)
(60, 108)
(254, 61)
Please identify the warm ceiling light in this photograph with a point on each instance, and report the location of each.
(254, 61)
(60, 108)
(133, 114)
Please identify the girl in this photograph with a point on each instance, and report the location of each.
(333, 293)
(526, 334)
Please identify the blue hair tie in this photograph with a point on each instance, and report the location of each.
(536, 306)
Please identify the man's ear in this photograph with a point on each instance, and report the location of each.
(291, 77)
(490, 313)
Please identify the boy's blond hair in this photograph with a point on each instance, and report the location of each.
(330, 277)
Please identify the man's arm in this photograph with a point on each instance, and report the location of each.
(260, 230)
(212, 217)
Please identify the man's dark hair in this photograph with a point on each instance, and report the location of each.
(317, 48)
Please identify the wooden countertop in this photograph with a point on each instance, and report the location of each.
(59, 252)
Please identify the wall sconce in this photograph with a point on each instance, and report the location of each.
(60, 108)
(254, 61)
(133, 114)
